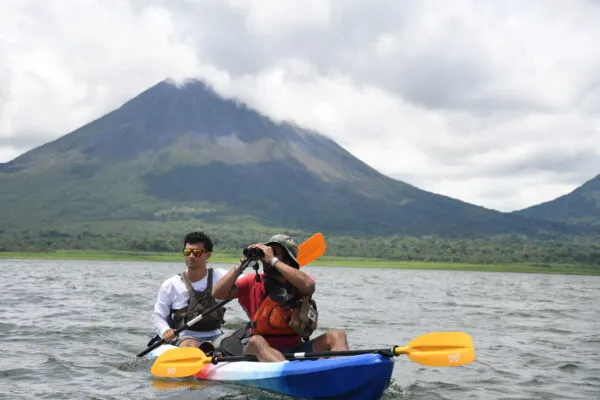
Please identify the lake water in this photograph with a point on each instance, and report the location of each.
(71, 330)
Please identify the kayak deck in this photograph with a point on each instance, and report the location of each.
(364, 376)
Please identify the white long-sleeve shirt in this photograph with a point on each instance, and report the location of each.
(173, 295)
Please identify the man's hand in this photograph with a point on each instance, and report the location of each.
(267, 250)
(239, 268)
(169, 335)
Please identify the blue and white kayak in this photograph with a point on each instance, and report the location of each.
(363, 377)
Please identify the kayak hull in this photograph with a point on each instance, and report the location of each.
(364, 376)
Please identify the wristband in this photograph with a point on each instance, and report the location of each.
(274, 261)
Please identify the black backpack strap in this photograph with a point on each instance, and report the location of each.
(209, 283)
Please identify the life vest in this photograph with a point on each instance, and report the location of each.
(283, 313)
(272, 319)
(198, 303)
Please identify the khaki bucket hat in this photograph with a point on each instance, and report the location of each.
(290, 246)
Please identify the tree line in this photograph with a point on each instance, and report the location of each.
(484, 250)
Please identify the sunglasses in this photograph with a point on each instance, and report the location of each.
(197, 252)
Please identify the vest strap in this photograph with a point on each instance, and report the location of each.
(188, 283)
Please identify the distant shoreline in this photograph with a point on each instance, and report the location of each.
(327, 261)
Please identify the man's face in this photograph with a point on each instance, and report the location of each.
(279, 252)
(195, 255)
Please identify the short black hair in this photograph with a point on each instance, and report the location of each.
(199, 237)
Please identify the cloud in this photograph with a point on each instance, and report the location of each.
(495, 103)
(70, 64)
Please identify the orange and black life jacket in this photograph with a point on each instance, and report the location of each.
(275, 312)
(272, 319)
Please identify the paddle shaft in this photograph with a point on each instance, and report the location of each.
(187, 325)
(308, 356)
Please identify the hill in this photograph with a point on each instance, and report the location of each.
(581, 206)
(177, 154)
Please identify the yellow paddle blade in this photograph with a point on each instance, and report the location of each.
(440, 349)
(179, 362)
(311, 249)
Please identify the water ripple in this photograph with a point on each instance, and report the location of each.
(536, 336)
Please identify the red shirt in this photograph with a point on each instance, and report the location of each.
(250, 296)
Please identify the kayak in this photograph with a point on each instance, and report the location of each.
(364, 376)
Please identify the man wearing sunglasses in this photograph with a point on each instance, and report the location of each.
(184, 296)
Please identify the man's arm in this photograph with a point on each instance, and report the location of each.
(298, 279)
(225, 289)
(162, 308)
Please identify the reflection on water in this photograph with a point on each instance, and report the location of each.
(164, 384)
(71, 329)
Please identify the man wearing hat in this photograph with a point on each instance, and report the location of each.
(270, 298)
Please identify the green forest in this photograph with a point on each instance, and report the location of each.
(154, 237)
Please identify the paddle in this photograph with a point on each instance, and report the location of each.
(188, 324)
(308, 251)
(437, 349)
(311, 249)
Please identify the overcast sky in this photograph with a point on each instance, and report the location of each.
(492, 102)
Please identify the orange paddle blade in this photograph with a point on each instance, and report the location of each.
(440, 349)
(311, 249)
(179, 362)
